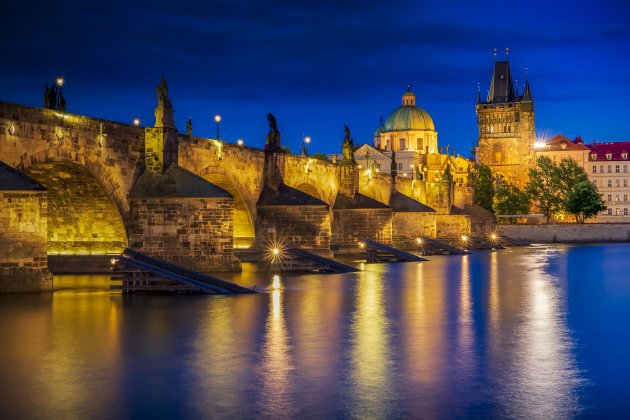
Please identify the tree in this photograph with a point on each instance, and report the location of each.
(319, 156)
(569, 174)
(584, 201)
(544, 186)
(484, 188)
(509, 199)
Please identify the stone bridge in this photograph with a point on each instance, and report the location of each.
(107, 186)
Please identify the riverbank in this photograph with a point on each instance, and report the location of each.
(568, 232)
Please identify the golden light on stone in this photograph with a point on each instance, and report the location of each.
(59, 134)
(136, 121)
(12, 129)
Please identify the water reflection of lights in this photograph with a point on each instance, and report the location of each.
(545, 371)
(276, 366)
(275, 283)
(371, 358)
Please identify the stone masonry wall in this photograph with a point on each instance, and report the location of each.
(193, 232)
(451, 227)
(354, 225)
(23, 261)
(407, 226)
(569, 232)
(82, 219)
(306, 227)
(40, 135)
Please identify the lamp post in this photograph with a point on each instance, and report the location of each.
(217, 118)
(305, 142)
(136, 121)
(58, 105)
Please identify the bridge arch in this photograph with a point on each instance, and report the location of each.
(244, 205)
(83, 218)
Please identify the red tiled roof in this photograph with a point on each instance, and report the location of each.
(556, 144)
(615, 148)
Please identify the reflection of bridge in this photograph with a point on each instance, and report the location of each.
(109, 185)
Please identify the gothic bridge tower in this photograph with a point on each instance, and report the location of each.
(506, 126)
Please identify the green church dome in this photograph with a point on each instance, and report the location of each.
(408, 116)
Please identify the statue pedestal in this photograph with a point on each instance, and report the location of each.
(164, 117)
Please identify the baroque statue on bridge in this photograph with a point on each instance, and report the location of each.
(162, 93)
(273, 136)
(348, 147)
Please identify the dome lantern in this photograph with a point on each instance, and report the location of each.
(408, 98)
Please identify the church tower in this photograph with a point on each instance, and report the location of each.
(506, 127)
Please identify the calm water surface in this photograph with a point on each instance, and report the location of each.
(539, 332)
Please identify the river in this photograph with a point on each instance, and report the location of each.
(535, 332)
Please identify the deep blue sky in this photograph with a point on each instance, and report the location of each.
(320, 64)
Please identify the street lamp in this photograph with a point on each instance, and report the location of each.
(60, 81)
(239, 142)
(305, 142)
(136, 121)
(217, 118)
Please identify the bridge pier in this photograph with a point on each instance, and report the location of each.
(23, 233)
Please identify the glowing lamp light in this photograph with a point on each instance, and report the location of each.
(465, 238)
(60, 81)
(217, 118)
(307, 139)
(419, 241)
(275, 284)
(113, 261)
(493, 236)
(361, 245)
(275, 251)
(239, 142)
(12, 129)
(136, 121)
(539, 145)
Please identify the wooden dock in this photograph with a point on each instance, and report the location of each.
(139, 273)
(378, 252)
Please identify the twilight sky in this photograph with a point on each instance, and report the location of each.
(317, 65)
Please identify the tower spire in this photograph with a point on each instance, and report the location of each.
(478, 92)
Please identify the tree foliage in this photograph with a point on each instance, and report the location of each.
(319, 156)
(570, 174)
(484, 186)
(509, 199)
(544, 186)
(584, 201)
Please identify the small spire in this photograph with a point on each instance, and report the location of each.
(507, 51)
(381, 120)
(408, 88)
(495, 54)
(478, 92)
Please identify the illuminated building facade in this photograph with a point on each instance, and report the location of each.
(506, 127)
(607, 166)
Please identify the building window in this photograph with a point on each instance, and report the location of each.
(609, 183)
(625, 211)
(617, 169)
(609, 198)
(617, 183)
(625, 198)
(594, 169)
(617, 197)
(601, 168)
(618, 211)
(625, 182)
(625, 168)
(610, 212)
(401, 144)
(609, 156)
(624, 155)
(609, 169)
(400, 166)
(593, 156)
